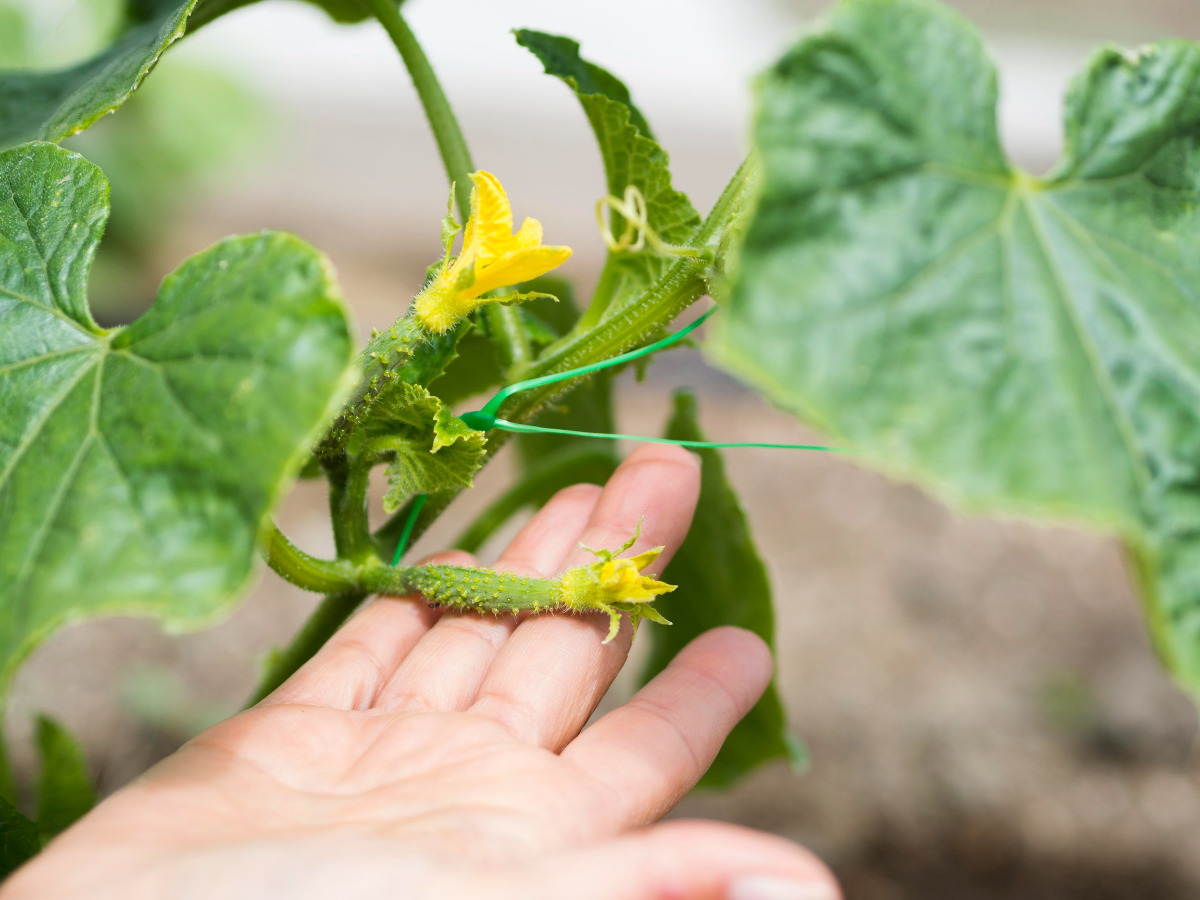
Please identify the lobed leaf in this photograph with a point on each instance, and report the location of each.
(721, 581)
(136, 464)
(430, 448)
(49, 106)
(1017, 344)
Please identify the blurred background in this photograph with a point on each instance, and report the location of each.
(985, 716)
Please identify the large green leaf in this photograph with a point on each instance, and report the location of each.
(48, 106)
(136, 464)
(65, 791)
(722, 581)
(1017, 344)
(631, 157)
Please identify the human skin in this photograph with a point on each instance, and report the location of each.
(422, 755)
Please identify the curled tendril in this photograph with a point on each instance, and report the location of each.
(637, 232)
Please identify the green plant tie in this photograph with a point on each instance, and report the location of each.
(486, 419)
(402, 544)
(695, 445)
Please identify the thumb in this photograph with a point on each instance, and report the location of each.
(681, 860)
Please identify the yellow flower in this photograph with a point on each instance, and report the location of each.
(492, 257)
(615, 586)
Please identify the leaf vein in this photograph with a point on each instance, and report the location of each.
(32, 434)
(1091, 351)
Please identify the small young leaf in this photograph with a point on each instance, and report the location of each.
(19, 839)
(136, 464)
(65, 791)
(631, 157)
(431, 449)
(722, 581)
(1017, 344)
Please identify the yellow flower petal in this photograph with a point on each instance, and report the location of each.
(492, 257)
(517, 266)
(646, 557)
(489, 228)
(530, 234)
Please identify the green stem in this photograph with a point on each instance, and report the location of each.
(451, 144)
(504, 325)
(347, 479)
(508, 333)
(670, 297)
(321, 576)
(325, 620)
(678, 290)
(348, 482)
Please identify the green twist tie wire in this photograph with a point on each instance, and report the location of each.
(408, 529)
(486, 419)
(518, 428)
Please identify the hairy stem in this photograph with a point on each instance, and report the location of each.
(507, 332)
(680, 287)
(348, 481)
(292, 564)
(504, 325)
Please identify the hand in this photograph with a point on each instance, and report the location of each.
(440, 755)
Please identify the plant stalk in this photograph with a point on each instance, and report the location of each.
(450, 142)
(606, 286)
(451, 145)
(322, 576)
(348, 482)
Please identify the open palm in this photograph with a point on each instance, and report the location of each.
(440, 755)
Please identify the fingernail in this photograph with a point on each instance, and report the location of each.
(769, 887)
